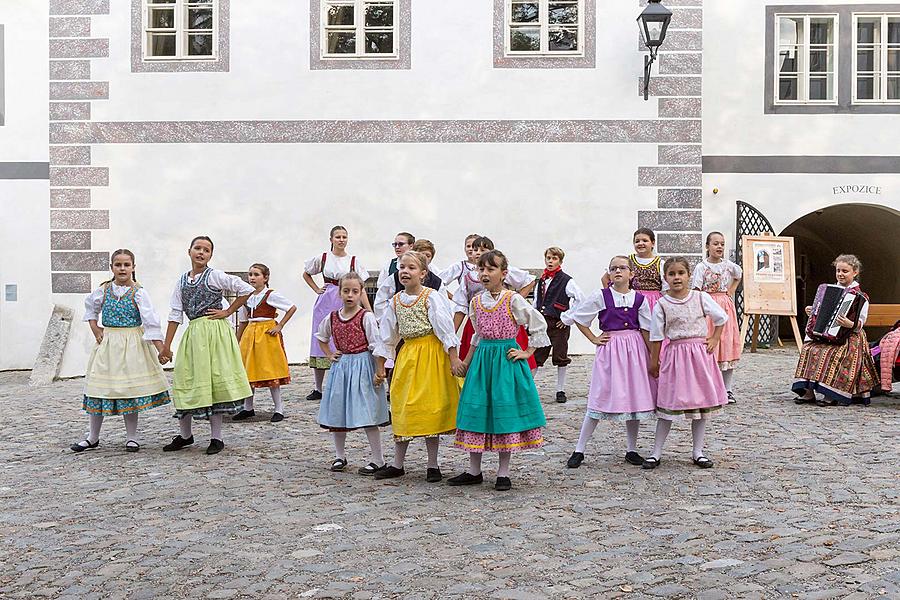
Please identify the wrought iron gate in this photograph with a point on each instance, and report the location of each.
(752, 222)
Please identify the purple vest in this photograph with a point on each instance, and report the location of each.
(615, 318)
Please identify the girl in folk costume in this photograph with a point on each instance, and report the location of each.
(333, 265)
(354, 395)
(719, 277)
(262, 346)
(424, 391)
(456, 271)
(646, 267)
(690, 386)
(389, 287)
(499, 408)
(402, 243)
(210, 380)
(123, 375)
(621, 389)
(841, 372)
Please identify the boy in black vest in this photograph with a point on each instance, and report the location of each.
(553, 296)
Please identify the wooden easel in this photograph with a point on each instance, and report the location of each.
(754, 340)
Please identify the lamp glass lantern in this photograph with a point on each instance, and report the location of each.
(653, 24)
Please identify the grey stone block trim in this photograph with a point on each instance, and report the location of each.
(686, 63)
(679, 154)
(79, 176)
(70, 240)
(688, 18)
(220, 63)
(79, 48)
(679, 243)
(61, 70)
(680, 198)
(70, 111)
(24, 170)
(79, 90)
(670, 176)
(71, 283)
(376, 132)
(801, 164)
(70, 155)
(671, 220)
(79, 7)
(672, 86)
(70, 27)
(402, 40)
(70, 198)
(678, 40)
(79, 261)
(588, 43)
(690, 108)
(79, 219)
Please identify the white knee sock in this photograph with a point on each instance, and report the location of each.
(374, 435)
(503, 469)
(340, 443)
(94, 423)
(431, 446)
(131, 423)
(587, 430)
(184, 424)
(248, 402)
(663, 426)
(276, 398)
(631, 434)
(475, 463)
(728, 378)
(320, 378)
(215, 427)
(698, 431)
(400, 449)
(560, 379)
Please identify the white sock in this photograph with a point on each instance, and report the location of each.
(587, 430)
(400, 449)
(248, 402)
(276, 398)
(320, 378)
(215, 427)
(131, 423)
(94, 422)
(503, 468)
(698, 431)
(663, 426)
(431, 446)
(631, 434)
(184, 424)
(374, 435)
(340, 443)
(728, 378)
(475, 463)
(560, 379)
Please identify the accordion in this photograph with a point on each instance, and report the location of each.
(833, 301)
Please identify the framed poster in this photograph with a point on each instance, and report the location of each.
(769, 283)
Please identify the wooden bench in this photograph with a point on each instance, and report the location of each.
(883, 315)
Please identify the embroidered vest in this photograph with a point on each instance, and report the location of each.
(684, 319)
(553, 301)
(198, 297)
(412, 319)
(646, 277)
(263, 310)
(120, 312)
(496, 323)
(620, 318)
(349, 336)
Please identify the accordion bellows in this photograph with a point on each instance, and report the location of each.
(831, 302)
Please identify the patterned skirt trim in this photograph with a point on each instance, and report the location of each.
(270, 383)
(472, 441)
(840, 371)
(408, 438)
(693, 414)
(123, 406)
(333, 429)
(204, 413)
(319, 362)
(630, 416)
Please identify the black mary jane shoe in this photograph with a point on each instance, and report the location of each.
(804, 400)
(338, 465)
(390, 472)
(821, 403)
(370, 469)
(132, 446)
(703, 462)
(215, 446)
(178, 443)
(633, 458)
(79, 448)
(277, 418)
(433, 475)
(575, 460)
(466, 478)
(314, 395)
(503, 484)
(731, 399)
(561, 397)
(244, 414)
(651, 463)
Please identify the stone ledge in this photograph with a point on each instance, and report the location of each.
(689, 63)
(677, 40)
(70, 27)
(70, 111)
(79, 7)
(79, 48)
(672, 86)
(62, 70)
(79, 90)
(680, 108)
(679, 243)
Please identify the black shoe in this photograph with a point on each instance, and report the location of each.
(277, 418)
(703, 462)
(633, 458)
(503, 484)
(390, 473)
(433, 475)
(178, 443)
(338, 465)
(79, 448)
(651, 463)
(314, 395)
(215, 446)
(575, 460)
(731, 399)
(561, 397)
(370, 469)
(244, 414)
(132, 446)
(802, 400)
(466, 478)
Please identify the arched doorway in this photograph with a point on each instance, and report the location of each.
(869, 231)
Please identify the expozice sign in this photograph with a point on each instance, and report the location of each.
(857, 189)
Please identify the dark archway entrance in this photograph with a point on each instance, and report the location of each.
(870, 231)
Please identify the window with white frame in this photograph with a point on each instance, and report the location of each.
(359, 29)
(544, 27)
(179, 29)
(876, 59)
(806, 59)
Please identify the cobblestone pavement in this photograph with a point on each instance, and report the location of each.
(802, 502)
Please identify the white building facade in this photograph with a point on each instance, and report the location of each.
(140, 124)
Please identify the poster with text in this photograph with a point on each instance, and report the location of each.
(769, 262)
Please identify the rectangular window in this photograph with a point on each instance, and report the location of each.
(876, 59)
(806, 59)
(180, 29)
(359, 29)
(544, 27)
